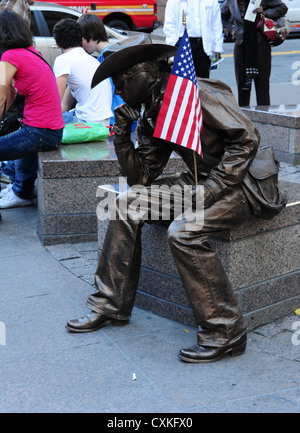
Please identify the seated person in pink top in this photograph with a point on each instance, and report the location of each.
(23, 71)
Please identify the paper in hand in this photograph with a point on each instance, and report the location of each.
(249, 15)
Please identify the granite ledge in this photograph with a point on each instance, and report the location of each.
(289, 216)
(280, 115)
(52, 165)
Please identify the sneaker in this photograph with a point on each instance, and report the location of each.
(5, 191)
(12, 200)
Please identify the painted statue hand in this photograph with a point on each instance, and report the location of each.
(124, 118)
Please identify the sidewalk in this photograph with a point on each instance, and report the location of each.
(133, 369)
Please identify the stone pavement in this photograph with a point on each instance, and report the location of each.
(133, 369)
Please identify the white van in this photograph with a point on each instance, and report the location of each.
(293, 13)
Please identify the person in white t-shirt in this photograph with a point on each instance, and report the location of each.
(74, 70)
(204, 27)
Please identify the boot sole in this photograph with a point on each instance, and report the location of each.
(231, 351)
(96, 328)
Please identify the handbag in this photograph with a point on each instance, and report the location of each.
(9, 123)
(275, 31)
(261, 185)
(84, 132)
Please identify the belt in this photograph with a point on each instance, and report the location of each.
(195, 39)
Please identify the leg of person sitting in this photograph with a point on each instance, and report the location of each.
(220, 323)
(7, 172)
(25, 143)
(21, 192)
(117, 283)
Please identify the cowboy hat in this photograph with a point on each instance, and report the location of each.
(129, 52)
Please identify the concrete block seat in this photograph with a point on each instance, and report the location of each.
(279, 125)
(260, 257)
(66, 189)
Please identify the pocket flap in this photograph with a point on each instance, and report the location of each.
(264, 164)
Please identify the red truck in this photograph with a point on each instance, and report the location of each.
(121, 14)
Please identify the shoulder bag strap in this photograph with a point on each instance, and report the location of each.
(41, 57)
(4, 111)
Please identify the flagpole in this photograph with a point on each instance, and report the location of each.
(194, 152)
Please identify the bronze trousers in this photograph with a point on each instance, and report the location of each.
(208, 289)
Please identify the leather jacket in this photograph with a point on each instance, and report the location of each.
(229, 142)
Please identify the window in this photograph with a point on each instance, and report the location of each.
(33, 25)
(52, 17)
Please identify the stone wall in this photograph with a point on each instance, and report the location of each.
(279, 126)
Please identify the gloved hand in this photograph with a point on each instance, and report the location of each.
(124, 118)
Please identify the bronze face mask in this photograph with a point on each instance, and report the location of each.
(135, 85)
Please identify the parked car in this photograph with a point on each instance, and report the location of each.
(121, 14)
(293, 14)
(45, 15)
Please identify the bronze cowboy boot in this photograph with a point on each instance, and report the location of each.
(200, 354)
(92, 322)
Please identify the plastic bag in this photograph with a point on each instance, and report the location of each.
(84, 132)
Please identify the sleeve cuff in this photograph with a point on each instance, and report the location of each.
(214, 188)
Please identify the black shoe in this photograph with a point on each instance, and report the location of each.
(92, 322)
(198, 354)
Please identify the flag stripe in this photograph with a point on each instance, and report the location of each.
(191, 127)
(161, 123)
(176, 109)
(194, 135)
(181, 120)
(188, 110)
(180, 117)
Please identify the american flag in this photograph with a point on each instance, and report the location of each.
(180, 117)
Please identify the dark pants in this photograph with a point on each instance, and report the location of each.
(262, 82)
(205, 281)
(201, 60)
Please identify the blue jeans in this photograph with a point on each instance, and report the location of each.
(8, 169)
(23, 146)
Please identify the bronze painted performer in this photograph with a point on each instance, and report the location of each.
(140, 72)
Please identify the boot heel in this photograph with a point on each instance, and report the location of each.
(116, 322)
(238, 350)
